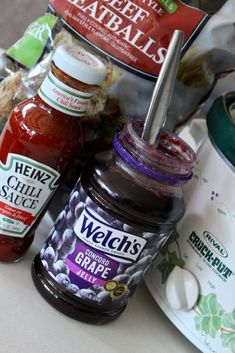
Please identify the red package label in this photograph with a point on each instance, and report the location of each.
(16, 214)
(135, 33)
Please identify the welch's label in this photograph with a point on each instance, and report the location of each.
(117, 244)
(94, 256)
(25, 188)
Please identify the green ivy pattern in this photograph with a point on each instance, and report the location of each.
(209, 315)
(210, 318)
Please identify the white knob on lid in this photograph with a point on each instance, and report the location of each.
(80, 64)
(182, 289)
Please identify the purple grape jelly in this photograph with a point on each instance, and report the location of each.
(120, 213)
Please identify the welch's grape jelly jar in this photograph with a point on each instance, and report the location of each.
(121, 211)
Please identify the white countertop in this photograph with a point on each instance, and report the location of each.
(30, 325)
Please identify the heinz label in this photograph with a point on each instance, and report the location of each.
(63, 97)
(25, 187)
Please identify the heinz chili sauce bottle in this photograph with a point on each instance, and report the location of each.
(39, 142)
(121, 211)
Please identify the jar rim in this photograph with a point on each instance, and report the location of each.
(172, 153)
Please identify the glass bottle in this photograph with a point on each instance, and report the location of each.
(41, 139)
(121, 211)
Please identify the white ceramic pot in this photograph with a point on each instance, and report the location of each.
(201, 303)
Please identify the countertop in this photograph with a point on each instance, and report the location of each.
(30, 325)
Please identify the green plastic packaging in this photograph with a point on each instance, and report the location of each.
(28, 50)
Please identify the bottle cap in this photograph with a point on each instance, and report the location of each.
(80, 64)
(221, 125)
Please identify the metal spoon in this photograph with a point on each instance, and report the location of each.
(163, 89)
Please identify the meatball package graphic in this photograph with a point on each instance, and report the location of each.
(135, 33)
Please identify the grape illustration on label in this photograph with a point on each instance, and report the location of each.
(94, 256)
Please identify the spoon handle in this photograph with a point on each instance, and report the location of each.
(163, 89)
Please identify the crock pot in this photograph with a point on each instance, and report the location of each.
(193, 278)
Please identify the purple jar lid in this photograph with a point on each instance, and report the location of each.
(148, 171)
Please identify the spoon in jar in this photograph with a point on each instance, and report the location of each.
(162, 93)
